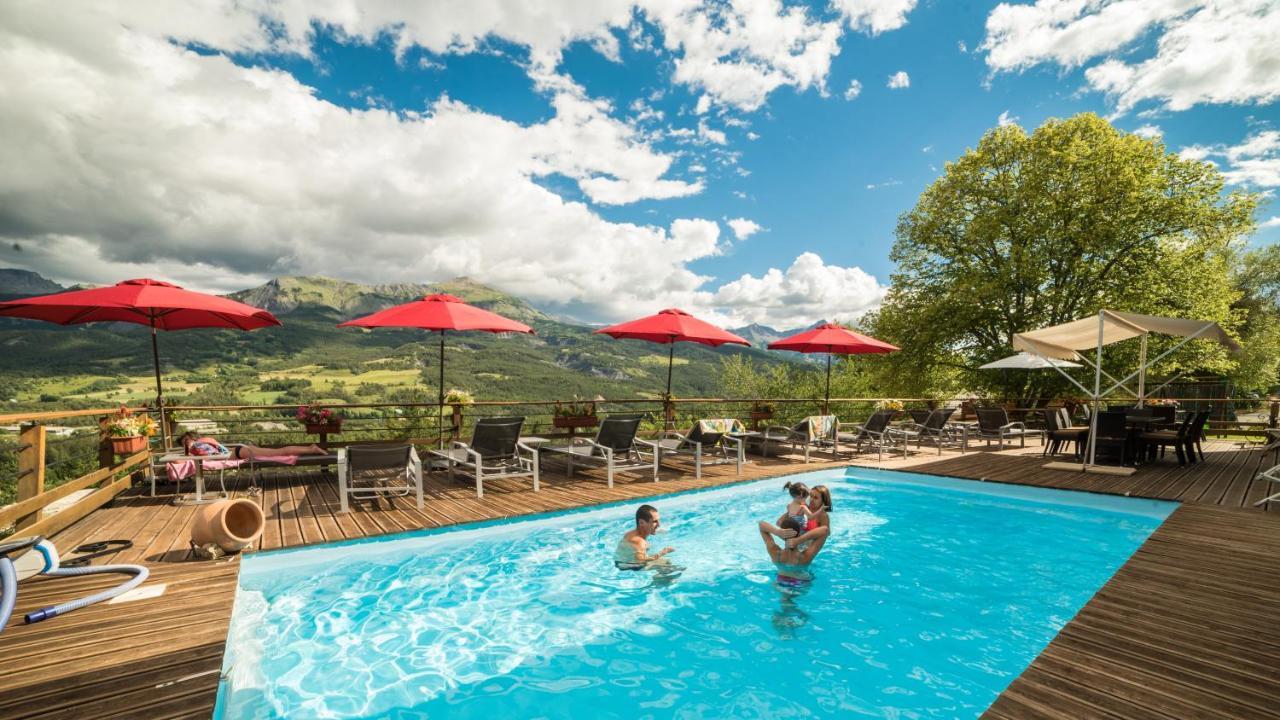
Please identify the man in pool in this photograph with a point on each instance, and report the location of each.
(633, 548)
(792, 562)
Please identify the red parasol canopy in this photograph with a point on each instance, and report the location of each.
(439, 313)
(159, 305)
(669, 327)
(832, 339)
(672, 326)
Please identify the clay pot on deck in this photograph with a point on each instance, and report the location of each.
(230, 524)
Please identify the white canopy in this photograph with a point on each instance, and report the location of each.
(1110, 326)
(1062, 341)
(1027, 361)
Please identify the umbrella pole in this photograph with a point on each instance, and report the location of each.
(155, 359)
(668, 409)
(440, 428)
(826, 402)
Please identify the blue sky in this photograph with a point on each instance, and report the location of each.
(589, 159)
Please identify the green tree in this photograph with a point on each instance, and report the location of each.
(1025, 231)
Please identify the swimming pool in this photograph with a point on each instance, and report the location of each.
(930, 596)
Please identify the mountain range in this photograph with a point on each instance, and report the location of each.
(562, 360)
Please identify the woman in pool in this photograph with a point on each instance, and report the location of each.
(819, 507)
(195, 445)
(792, 562)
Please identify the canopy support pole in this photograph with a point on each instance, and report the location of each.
(1163, 355)
(1142, 370)
(1097, 396)
(440, 427)
(155, 359)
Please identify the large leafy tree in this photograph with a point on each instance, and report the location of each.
(1029, 230)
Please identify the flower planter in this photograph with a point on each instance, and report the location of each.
(128, 445)
(326, 428)
(575, 421)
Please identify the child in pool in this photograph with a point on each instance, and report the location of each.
(798, 508)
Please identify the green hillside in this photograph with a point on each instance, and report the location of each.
(308, 358)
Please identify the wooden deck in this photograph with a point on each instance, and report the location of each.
(1186, 629)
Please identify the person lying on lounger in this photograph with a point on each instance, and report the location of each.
(195, 445)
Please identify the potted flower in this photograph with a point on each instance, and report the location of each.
(129, 432)
(895, 405)
(575, 415)
(319, 419)
(761, 411)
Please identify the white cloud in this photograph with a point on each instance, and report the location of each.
(1273, 221)
(1006, 119)
(711, 135)
(875, 16)
(753, 136)
(743, 228)
(127, 155)
(1148, 131)
(1208, 51)
(854, 90)
(899, 79)
(1254, 163)
(926, 149)
(807, 291)
(886, 183)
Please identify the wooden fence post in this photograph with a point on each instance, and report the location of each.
(1274, 418)
(30, 469)
(106, 455)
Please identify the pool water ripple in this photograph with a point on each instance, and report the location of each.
(926, 602)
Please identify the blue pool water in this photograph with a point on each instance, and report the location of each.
(930, 596)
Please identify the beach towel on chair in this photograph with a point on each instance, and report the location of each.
(721, 426)
(184, 469)
(821, 426)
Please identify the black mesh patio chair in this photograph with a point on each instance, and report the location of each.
(820, 432)
(875, 432)
(919, 416)
(708, 442)
(615, 446)
(372, 471)
(934, 430)
(993, 424)
(495, 452)
(1113, 432)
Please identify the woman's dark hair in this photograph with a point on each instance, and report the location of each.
(797, 489)
(822, 492)
(182, 439)
(790, 523)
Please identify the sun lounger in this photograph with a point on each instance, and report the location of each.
(372, 471)
(876, 433)
(711, 441)
(615, 446)
(495, 452)
(993, 424)
(815, 431)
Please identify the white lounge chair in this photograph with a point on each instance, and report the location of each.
(711, 441)
(495, 452)
(372, 471)
(615, 446)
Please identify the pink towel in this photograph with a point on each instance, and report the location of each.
(187, 468)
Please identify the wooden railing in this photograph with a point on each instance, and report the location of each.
(27, 466)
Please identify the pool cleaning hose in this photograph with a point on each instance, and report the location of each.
(50, 555)
(8, 590)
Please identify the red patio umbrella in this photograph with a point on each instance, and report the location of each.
(669, 327)
(159, 305)
(439, 313)
(831, 339)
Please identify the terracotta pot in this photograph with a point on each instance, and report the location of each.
(329, 427)
(761, 414)
(575, 421)
(230, 524)
(128, 445)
